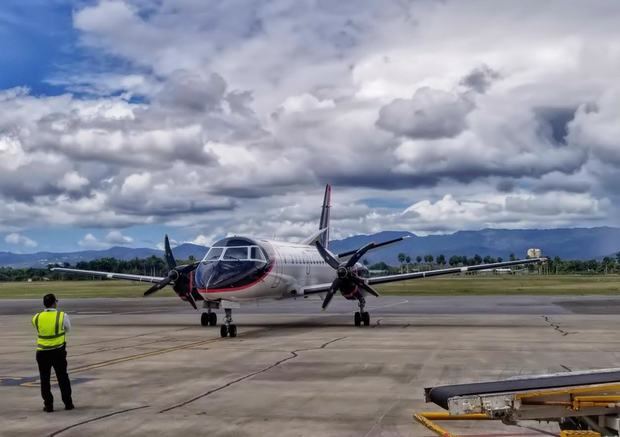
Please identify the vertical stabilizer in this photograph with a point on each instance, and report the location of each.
(324, 223)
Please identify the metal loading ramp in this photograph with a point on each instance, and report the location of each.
(584, 403)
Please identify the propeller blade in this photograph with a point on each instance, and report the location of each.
(328, 299)
(360, 253)
(330, 294)
(333, 262)
(376, 246)
(168, 253)
(360, 283)
(158, 286)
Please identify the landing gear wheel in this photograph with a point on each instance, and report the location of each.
(204, 319)
(224, 331)
(212, 319)
(358, 319)
(232, 330)
(366, 318)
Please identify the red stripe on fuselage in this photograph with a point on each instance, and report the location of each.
(242, 287)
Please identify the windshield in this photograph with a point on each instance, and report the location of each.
(236, 253)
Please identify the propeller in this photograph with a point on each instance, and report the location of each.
(347, 277)
(177, 275)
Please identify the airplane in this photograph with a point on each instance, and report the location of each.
(241, 269)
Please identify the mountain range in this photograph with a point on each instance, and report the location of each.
(567, 243)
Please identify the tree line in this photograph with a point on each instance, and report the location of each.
(155, 266)
(151, 266)
(556, 265)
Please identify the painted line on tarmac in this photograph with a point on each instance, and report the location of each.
(91, 313)
(142, 355)
(388, 305)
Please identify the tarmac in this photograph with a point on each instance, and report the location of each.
(147, 367)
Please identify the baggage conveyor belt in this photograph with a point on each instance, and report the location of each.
(580, 402)
(441, 395)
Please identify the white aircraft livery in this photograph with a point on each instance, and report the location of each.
(241, 269)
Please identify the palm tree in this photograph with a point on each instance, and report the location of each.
(401, 258)
(408, 261)
(441, 259)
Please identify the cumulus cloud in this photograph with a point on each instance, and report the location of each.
(480, 78)
(429, 114)
(230, 119)
(112, 238)
(17, 239)
(116, 237)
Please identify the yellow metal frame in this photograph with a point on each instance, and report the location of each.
(427, 419)
(580, 397)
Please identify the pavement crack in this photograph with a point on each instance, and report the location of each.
(105, 416)
(557, 327)
(293, 354)
(323, 346)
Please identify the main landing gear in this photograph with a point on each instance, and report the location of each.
(362, 316)
(228, 328)
(209, 318)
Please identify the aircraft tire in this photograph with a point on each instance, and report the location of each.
(357, 319)
(212, 319)
(366, 318)
(232, 330)
(204, 319)
(224, 331)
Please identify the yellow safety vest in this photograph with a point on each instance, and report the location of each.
(50, 330)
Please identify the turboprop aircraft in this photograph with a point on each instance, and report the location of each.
(246, 269)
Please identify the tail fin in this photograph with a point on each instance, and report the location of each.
(324, 223)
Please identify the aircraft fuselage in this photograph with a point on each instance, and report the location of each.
(269, 270)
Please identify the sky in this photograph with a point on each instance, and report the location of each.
(123, 120)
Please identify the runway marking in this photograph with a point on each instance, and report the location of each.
(142, 355)
(388, 305)
(294, 354)
(91, 313)
(55, 433)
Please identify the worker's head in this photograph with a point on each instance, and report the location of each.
(49, 300)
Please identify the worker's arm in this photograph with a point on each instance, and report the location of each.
(66, 323)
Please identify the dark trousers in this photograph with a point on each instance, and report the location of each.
(56, 358)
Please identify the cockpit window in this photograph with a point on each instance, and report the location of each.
(256, 253)
(213, 254)
(237, 253)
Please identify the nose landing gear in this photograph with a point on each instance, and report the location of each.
(361, 316)
(228, 328)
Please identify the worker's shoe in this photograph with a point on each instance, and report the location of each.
(69, 407)
(48, 408)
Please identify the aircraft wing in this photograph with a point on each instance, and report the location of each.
(110, 275)
(440, 272)
(322, 288)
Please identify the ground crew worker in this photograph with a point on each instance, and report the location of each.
(51, 326)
